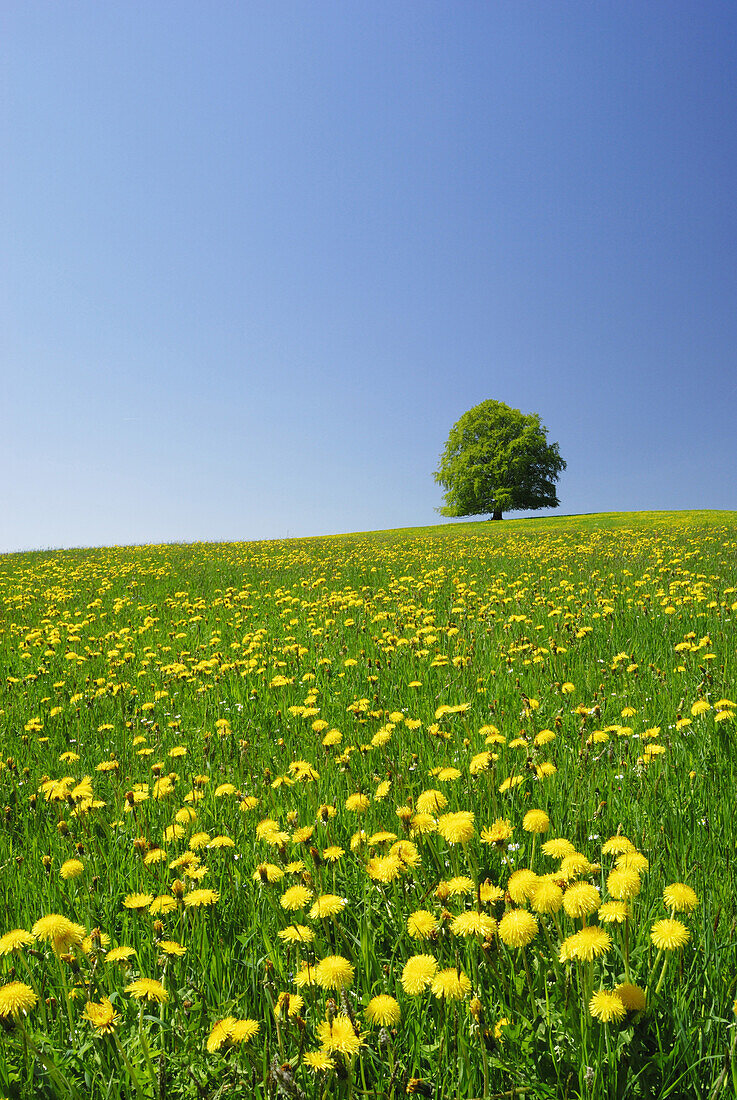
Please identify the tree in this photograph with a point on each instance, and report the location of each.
(498, 459)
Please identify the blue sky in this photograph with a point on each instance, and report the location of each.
(259, 257)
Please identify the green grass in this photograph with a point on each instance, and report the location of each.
(247, 656)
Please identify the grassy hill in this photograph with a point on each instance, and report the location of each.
(436, 811)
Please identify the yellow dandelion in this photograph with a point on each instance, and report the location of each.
(334, 972)
(148, 989)
(669, 934)
(383, 1011)
(102, 1016)
(633, 998)
(581, 900)
(613, 912)
(16, 998)
(138, 901)
(588, 944)
(472, 923)
(195, 898)
(680, 898)
(338, 1036)
(522, 885)
(357, 803)
(58, 931)
(430, 802)
(458, 827)
(422, 925)
(319, 1061)
(289, 1004)
(296, 933)
(71, 868)
(14, 940)
(607, 1006)
(451, 984)
(623, 883)
(517, 928)
(536, 821)
(328, 905)
(418, 973)
(558, 848)
(548, 896)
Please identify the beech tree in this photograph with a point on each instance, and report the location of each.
(498, 459)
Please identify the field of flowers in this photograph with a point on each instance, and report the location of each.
(444, 812)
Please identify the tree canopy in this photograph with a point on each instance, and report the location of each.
(498, 459)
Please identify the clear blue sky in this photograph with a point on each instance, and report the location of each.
(258, 257)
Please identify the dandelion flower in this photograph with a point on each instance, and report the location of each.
(522, 885)
(473, 924)
(558, 848)
(296, 898)
(242, 1031)
(418, 973)
(423, 823)
(195, 898)
(680, 898)
(456, 828)
(171, 947)
(633, 860)
(499, 832)
(669, 934)
(71, 868)
(430, 802)
(329, 905)
(489, 893)
(102, 1016)
(333, 853)
(421, 925)
(296, 933)
(633, 998)
(590, 943)
(384, 868)
(14, 940)
(319, 1061)
(607, 1006)
(613, 912)
(147, 989)
(16, 998)
(266, 873)
(573, 865)
(305, 976)
(623, 883)
(459, 884)
(59, 931)
(357, 803)
(548, 896)
(536, 821)
(334, 972)
(451, 984)
(383, 1010)
(617, 845)
(289, 1004)
(517, 928)
(162, 904)
(138, 901)
(407, 852)
(339, 1036)
(581, 899)
(120, 954)
(219, 1034)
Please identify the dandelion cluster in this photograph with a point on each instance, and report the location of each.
(285, 817)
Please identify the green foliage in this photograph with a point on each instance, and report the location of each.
(497, 459)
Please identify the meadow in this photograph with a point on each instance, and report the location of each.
(439, 812)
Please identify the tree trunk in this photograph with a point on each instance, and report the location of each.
(497, 514)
